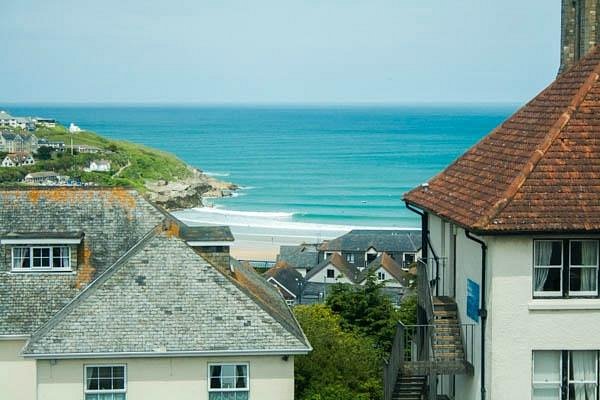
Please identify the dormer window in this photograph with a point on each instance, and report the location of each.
(41, 258)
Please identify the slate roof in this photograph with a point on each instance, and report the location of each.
(163, 298)
(112, 219)
(539, 171)
(286, 275)
(349, 270)
(302, 256)
(382, 240)
(207, 233)
(389, 265)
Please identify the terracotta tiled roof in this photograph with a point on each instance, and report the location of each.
(537, 172)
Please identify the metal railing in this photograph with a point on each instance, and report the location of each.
(424, 295)
(393, 364)
(417, 348)
(438, 271)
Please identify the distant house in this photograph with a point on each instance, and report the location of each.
(98, 166)
(387, 271)
(11, 142)
(287, 280)
(84, 148)
(17, 160)
(74, 128)
(43, 177)
(302, 258)
(7, 120)
(360, 247)
(334, 269)
(55, 145)
(46, 122)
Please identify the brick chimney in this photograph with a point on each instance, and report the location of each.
(579, 30)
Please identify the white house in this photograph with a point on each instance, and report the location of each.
(74, 128)
(509, 281)
(98, 166)
(334, 269)
(17, 160)
(109, 299)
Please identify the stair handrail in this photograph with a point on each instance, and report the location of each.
(425, 296)
(393, 364)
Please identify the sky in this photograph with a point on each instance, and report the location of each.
(277, 51)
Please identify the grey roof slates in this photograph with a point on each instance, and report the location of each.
(303, 256)
(112, 219)
(206, 233)
(165, 297)
(287, 276)
(381, 240)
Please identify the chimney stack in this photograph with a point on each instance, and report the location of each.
(579, 30)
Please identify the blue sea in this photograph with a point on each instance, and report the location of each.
(342, 165)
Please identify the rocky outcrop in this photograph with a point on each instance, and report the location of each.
(187, 192)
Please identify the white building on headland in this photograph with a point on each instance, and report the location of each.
(74, 128)
(98, 166)
(511, 230)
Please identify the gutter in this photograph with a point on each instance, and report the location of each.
(483, 309)
(150, 354)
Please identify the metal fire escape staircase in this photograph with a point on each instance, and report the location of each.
(439, 346)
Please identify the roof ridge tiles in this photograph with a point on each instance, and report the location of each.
(540, 150)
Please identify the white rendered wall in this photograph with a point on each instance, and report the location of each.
(520, 324)
(17, 375)
(182, 378)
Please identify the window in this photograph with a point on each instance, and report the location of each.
(350, 258)
(381, 276)
(105, 382)
(583, 271)
(409, 258)
(565, 268)
(565, 375)
(546, 375)
(330, 273)
(228, 382)
(41, 258)
(547, 267)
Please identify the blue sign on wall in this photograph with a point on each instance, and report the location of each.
(473, 300)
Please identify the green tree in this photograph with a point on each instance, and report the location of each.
(44, 153)
(367, 309)
(344, 365)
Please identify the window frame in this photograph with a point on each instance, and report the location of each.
(327, 271)
(548, 384)
(549, 294)
(570, 382)
(565, 270)
(380, 274)
(235, 364)
(595, 267)
(87, 391)
(50, 257)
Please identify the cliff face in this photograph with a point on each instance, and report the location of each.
(187, 192)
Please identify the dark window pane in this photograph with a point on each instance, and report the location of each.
(240, 382)
(215, 383)
(215, 370)
(92, 384)
(556, 258)
(553, 280)
(575, 253)
(118, 383)
(105, 372)
(105, 384)
(92, 372)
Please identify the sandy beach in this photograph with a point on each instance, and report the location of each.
(258, 235)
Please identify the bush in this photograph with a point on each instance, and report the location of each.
(344, 365)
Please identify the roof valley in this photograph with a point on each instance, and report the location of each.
(541, 150)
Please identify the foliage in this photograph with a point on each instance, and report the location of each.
(367, 309)
(407, 313)
(344, 365)
(44, 153)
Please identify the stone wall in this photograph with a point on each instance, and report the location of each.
(579, 30)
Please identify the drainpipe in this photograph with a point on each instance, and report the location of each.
(483, 309)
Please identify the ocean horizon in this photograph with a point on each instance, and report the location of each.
(341, 165)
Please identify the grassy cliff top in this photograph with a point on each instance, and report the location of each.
(131, 164)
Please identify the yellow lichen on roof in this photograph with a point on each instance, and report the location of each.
(86, 270)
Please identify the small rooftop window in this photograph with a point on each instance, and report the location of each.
(41, 258)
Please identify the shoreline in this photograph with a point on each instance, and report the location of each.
(258, 235)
